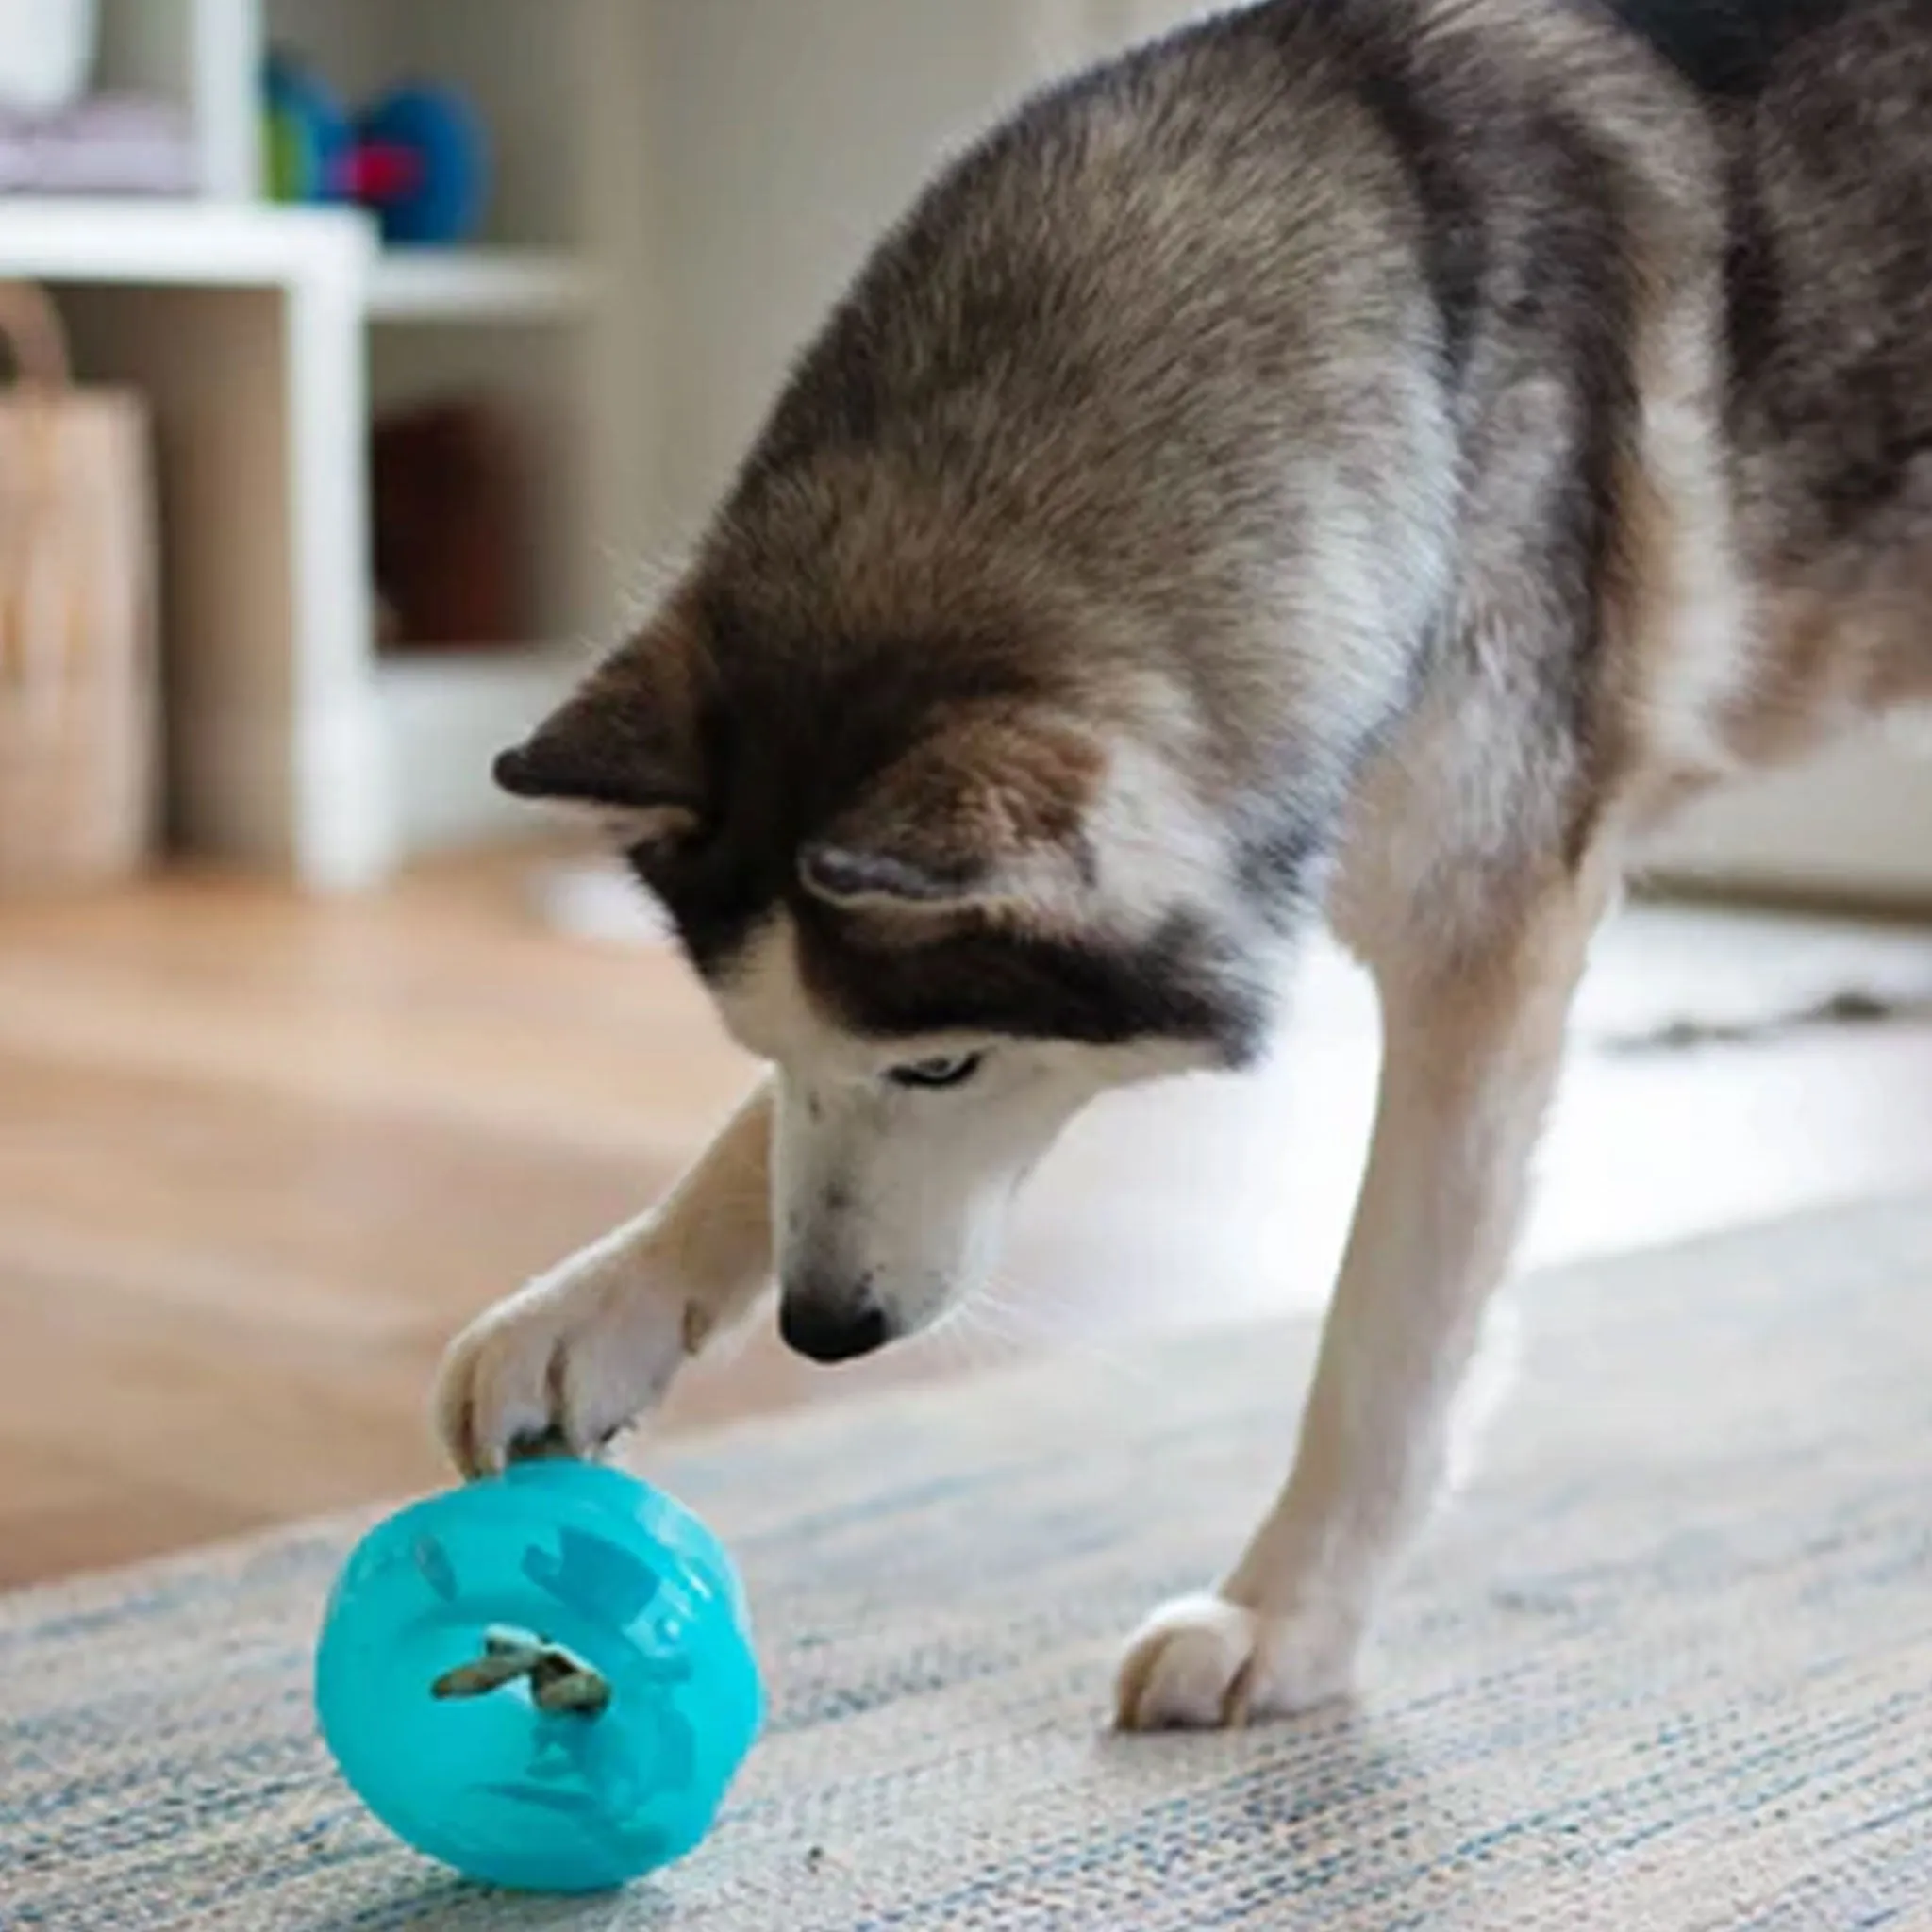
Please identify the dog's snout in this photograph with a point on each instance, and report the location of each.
(832, 1328)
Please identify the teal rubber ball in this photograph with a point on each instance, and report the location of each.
(545, 1680)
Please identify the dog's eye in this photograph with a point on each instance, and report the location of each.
(954, 1071)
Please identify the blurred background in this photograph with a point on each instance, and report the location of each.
(370, 358)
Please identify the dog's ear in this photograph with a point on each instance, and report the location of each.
(624, 746)
(991, 814)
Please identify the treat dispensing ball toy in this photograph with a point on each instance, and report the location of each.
(545, 1680)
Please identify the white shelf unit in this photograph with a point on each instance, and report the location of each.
(267, 339)
(206, 56)
(445, 715)
(480, 284)
(681, 190)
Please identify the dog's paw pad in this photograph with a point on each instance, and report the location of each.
(1203, 1663)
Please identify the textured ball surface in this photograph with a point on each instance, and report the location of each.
(545, 1680)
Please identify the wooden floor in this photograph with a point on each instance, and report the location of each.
(259, 1156)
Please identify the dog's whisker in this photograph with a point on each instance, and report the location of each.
(1020, 1325)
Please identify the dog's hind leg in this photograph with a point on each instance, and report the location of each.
(1471, 1049)
(588, 1348)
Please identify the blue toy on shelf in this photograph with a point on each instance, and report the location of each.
(544, 1680)
(417, 159)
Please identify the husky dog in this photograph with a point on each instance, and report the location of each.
(1365, 461)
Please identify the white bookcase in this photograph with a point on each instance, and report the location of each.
(681, 186)
(267, 338)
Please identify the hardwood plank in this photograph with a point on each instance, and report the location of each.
(259, 1155)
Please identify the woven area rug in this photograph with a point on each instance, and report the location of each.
(1667, 1665)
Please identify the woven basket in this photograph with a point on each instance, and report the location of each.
(77, 674)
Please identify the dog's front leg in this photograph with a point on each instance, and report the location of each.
(1470, 1056)
(588, 1348)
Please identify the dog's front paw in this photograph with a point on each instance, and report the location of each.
(566, 1364)
(1203, 1663)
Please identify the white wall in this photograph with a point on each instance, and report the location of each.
(782, 139)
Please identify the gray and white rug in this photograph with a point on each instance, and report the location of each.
(1666, 1667)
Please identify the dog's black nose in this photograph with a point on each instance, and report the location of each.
(827, 1331)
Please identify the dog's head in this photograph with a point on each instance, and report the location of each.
(949, 910)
